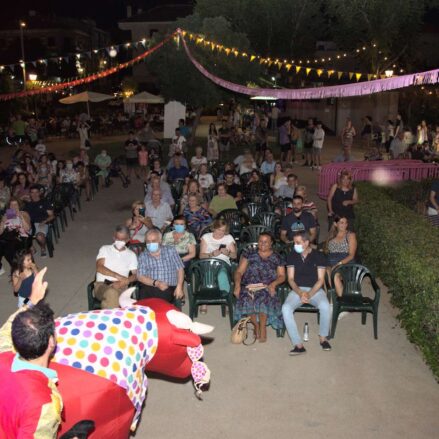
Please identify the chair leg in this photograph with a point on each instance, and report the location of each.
(375, 324)
(192, 309)
(363, 317)
(335, 313)
(223, 310)
(230, 306)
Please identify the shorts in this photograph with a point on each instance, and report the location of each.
(286, 147)
(316, 150)
(131, 163)
(307, 145)
(41, 229)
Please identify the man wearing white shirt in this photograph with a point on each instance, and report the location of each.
(178, 143)
(267, 166)
(116, 268)
(317, 145)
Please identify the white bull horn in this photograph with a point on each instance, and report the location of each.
(125, 298)
(183, 321)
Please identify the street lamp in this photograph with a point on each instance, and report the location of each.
(23, 61)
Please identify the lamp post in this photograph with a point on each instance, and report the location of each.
(23, 61)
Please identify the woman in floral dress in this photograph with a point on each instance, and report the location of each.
(256, 278)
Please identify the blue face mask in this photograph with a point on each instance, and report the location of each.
(298, 248)
(179, 228)
(152, 247)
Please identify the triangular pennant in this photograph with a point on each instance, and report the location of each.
(262, 60)
(308, 69)
(298, 69)
(330, 73)
(383, 76)
(191, 36)
(34, 63)
(279, 65)
(319, 72)
(270, 63)
(252, 57)
(358, 76)
(236, 53)
(351, 75)
(220, 47)
(369, 76)
(227, 50)
(339, 75)
(288, 67)
(212, 46)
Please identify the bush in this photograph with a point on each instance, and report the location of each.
(402, 248)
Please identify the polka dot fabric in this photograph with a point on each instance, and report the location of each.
(115, 344)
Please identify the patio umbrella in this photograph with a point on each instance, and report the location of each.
(86, 96)
(145, 98)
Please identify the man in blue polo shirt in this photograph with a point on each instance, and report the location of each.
(177, 171)
(161, 271)
(306, 275)
(298, 220)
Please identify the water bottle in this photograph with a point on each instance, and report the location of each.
(306, 332)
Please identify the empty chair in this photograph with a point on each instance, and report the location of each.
(204, 286)
(352, 299)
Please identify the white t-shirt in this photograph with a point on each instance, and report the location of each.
(121, 262)
(318, 138)
(179, 141)
(205, 180)
(197, 162)
(213, 244)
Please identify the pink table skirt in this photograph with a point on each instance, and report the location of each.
(382, 172)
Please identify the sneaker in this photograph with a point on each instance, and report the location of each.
(342, 315)
(2, 271)
(43, 254)
(325, 345)
(297, 351)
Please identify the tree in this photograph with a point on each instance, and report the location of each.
(393, 25)
(179, 80)
(282, 28)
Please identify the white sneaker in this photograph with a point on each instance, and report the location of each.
(2, 271)
(343, 315)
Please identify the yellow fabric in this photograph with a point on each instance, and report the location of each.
(50, 418)
(6, 344)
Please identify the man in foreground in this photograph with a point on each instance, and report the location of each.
(306, 275)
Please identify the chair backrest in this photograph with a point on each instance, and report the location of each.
(252, 209)
(251, 233)
(245, 178)
(177, 188)
(203, 277)
(235, 219)
(243, 246)
(268, 219)
(353, 276)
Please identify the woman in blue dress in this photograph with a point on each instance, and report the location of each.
(259, 272)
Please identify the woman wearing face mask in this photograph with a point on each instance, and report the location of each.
(182, 240)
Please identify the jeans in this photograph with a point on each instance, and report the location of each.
(319, 300)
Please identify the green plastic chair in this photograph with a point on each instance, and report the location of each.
(246, 246)
(251, 233)
(93, 303)
(283, 291)
(204, 289)
(352, 300)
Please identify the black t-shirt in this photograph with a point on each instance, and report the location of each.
(37, 210)
(295, 224)
(306, 270)
(435, 189)
(233, 189)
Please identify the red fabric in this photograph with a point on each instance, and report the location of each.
(22, 394)
(88, 396)
(171, 358)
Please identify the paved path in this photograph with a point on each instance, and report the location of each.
(363, 388)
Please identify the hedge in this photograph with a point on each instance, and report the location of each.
(402, 248)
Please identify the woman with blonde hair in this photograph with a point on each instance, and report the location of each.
(138, 225)
(342, 197)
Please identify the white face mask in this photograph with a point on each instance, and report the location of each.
(119, 244)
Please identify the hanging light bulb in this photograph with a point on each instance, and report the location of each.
(112, 52)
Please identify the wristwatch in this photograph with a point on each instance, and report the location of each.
(154, 282)
(28, 302)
